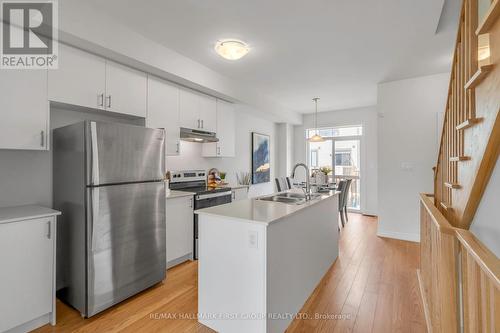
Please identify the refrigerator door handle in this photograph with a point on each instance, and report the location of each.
(95, 153)
(94, 198)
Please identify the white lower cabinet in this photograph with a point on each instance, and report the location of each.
(24, 109)
(27, 276)
(180, 225)
(240, 193)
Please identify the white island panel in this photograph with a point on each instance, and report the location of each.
(256, 272)
(299, 253)
(231, 274)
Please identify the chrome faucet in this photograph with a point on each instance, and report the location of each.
(307, 192)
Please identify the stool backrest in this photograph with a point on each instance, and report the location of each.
(341, 187)
(282, 184)
(346, 191)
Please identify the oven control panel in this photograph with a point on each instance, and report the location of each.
(188, 176)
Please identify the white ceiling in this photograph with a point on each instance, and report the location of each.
(337, 50)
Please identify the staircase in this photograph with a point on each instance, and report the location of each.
(470, 138)
(459, 276)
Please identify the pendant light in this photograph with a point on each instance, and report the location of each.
(316, 137)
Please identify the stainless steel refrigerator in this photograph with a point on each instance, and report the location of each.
(108, 184)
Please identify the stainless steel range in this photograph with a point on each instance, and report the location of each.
(196, 181)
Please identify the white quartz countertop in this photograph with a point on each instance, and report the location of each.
(235, 187)
(178, 194)
(19, 213)
(260, 211)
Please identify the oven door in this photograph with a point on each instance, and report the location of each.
(205, 201)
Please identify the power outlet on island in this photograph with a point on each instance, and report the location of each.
(253, 239)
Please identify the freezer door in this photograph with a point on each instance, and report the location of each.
(120, 153)
(126, 242)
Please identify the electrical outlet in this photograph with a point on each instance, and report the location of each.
(253, 239)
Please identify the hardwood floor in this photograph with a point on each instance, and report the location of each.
(373, 284)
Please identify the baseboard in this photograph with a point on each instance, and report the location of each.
(31, 325)
(400, 235)
(424, 302)
(179, 260)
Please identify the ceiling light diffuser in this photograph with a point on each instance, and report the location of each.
(231, 49)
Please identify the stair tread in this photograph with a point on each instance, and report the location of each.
(479, 76)
(452, 185)
(468, 123)
(460, 158)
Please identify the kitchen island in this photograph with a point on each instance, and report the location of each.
(260, 260)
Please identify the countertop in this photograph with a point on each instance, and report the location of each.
(178, 194)
(235, 187)
(259, 211)
(20, 213)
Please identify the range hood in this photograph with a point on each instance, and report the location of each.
(199, 136)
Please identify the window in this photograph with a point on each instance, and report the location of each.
(343, 158)
(341, 154)
(314, 158)
(336, 131)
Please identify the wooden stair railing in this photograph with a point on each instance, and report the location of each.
(459, 277)
(471, 131)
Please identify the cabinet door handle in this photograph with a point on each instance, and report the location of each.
(42, 138)
(109, 101)
(177, 150)
(100, 100)
(198, 123)
(202, 123)
(49, 231)
(191, 203)
(218, 150)
(234, 195)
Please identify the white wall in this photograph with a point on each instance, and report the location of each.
(407, 150)
(284, 149)
(246, 123)
(485, 225)
(365, 116)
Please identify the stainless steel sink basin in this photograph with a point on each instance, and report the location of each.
(290, 198)
(292, 195)
(284, 199)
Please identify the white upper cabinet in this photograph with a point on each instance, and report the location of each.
(24, 110)
(126, 90)
(208, 113)
(79, 80)
(163, 111)
(198, 111)
(189, 109)
(87, 80)
(225, 129)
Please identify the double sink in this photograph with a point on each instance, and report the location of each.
(289, 198)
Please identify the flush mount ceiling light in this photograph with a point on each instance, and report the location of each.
(316, 137)
(231, 49)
